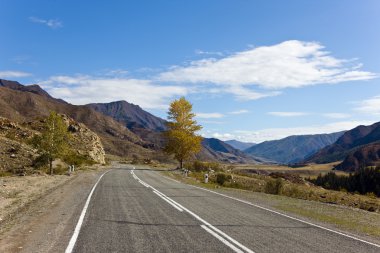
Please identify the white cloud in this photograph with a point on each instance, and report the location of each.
(369, 106)
(288, 114)
(87, 89)
(243, 111)
(13, 74)
(290, 64)
(213, 115)
(335, 115)
(52, 23)
(279, 133)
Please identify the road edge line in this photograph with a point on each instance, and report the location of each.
(74, 237)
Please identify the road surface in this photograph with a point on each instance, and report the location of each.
(132, 210)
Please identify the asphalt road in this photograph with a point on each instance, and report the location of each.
(142, 211)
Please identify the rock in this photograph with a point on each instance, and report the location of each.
(13, 156)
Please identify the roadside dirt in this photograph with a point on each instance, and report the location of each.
(39, 213)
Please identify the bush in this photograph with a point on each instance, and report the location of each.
(220, 178)
(203, 166)
(73, 158)
(41, 161)
(274, 186)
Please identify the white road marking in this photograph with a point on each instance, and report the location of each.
(168, 200)
(222, 239)
(74, 237)
(216, 231)
(282, 214)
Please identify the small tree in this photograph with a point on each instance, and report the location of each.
(181, 137)
(53, 142)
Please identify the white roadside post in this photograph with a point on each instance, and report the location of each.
(206, 178)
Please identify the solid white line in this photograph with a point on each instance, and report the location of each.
(284, 215)
(168, 201)
(74, 237)
(222, 239)
(202, 220)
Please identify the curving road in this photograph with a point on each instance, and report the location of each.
(142, 211)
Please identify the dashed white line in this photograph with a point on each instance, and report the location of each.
(220, 235)
(74, 237)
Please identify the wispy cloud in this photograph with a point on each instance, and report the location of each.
(84, 89)
(288, 114)
(290, 64)
(279, 133)
(243, 111)
(52, 23)
(213, 115)
(335, 115)
(201, 52)
(369, 106)
(13, 74)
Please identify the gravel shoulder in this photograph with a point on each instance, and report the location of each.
(38, 213)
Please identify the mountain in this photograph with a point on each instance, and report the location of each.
(149, 128)
(217, 150)
(125, 129)
(240, 145)
(358, 148)
(21, 103)
(130, 115)
(293, 149)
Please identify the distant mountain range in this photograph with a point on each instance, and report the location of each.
(358, 148)
(292, 149)
(239, 144)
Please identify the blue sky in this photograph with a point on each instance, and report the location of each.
(254, 70)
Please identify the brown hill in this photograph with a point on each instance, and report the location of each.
(368, 155)
(25, 103)
(348, 143)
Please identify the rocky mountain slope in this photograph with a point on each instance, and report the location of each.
(125, 129)
(240, 145)
(292, 149)
(132, 116)
(16, 154)
(22, 103)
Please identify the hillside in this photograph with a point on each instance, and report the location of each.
(125, 129)
(17, 156)
(292, 149)
(347, 143)
(149, 128)
(215, 149)
(239, 144)
(367, 155)
(132, 116)
(22, 103)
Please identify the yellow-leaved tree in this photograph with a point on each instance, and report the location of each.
(181, 137)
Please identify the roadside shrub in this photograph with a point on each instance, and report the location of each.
(221, 178)
(41, 161)
(203, 166)
(73, 158)
(274, 186)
